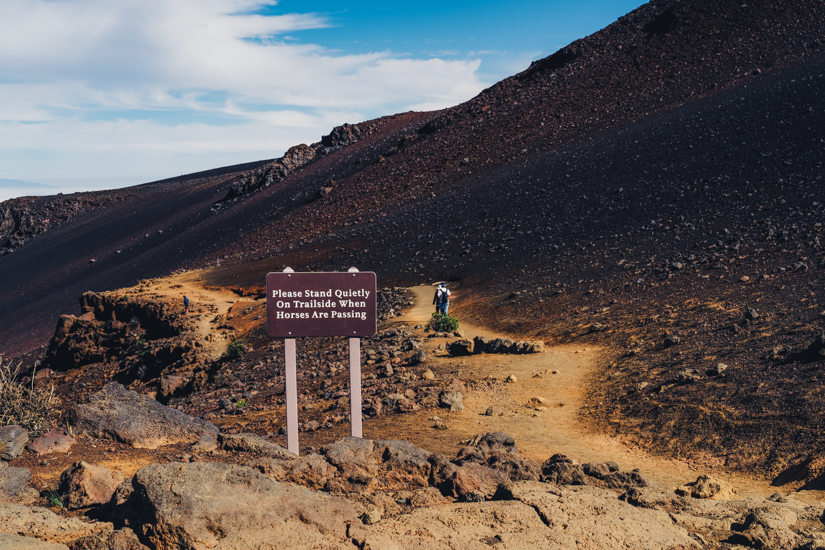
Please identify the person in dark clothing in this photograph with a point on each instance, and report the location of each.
(185, 305)
(442, 299)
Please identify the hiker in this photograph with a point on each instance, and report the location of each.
(185, 305)
(442, 299)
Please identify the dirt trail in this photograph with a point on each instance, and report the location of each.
(558, 429)
(206, 304)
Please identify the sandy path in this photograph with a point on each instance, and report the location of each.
(206, 304)
(540, 434)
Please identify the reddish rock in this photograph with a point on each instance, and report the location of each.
(86, 484)
(55, 441)
(42, 376)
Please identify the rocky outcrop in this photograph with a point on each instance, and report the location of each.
(536, 516)
(25, 218)
(138, 420)
(113, 326)
(203, 505)
(295, 158)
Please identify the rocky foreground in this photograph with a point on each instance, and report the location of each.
(242, 491)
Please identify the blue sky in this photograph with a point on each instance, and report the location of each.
(99, 94)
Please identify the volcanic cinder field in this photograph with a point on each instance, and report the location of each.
(642, 210)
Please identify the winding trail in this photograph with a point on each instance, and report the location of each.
(206, 305)
(539, 434)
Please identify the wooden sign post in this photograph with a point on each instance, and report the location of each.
(320, 304)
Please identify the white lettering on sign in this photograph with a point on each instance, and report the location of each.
(286, 294)
(285, 315)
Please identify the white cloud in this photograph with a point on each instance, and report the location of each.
(151, 81)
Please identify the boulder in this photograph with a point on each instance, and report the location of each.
(500, 345)
(460, 348)
(594, 518)
(418, 357)
(206, 444)
(55, 440)
(13, 440)
(251, 443)
(507, 525)
(14, 486)
(400, 403)
(44, 524)
(86, 485)
(138, 420)
(206, 504)
(14, 542)
(310, 471)
(707, 486)
(169, 385)
(452, 396)
(404, 465)
(562, 470)
(480, 344)
(535, 346)
(461, 481)
(451, 400)
(123, 539)
(499, 452)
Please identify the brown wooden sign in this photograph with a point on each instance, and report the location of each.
(321, 304)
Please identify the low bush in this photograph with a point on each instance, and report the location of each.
(32, 408)
(236, 349)
(443, 323)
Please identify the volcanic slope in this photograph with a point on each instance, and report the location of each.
(657, 239)
(655, 58)
(574, 202)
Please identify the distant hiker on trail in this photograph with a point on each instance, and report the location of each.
(442, 299)
(185, 305)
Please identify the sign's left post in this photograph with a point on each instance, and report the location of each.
(291, 390)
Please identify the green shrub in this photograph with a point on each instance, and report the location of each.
(240, 404)
(236, 349)
(53, 498)
(27, 406)
(443, 323)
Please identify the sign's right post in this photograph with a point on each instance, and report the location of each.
(355, 382)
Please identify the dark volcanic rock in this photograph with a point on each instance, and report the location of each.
(460, 347)
(119, 414)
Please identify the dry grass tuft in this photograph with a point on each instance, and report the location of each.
(27, 406)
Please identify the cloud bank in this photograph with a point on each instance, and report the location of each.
(96, 94)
